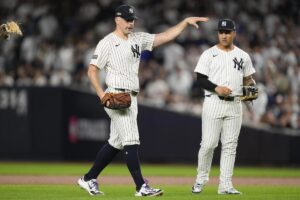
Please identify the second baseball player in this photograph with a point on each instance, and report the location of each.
(221, 70)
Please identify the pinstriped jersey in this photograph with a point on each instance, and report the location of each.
(121, 58)
(225, 68)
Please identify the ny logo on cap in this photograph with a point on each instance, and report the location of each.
(223, 23)
(130, 10)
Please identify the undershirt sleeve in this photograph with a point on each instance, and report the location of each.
(205, 83)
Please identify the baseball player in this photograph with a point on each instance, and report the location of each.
(221, 71)
(119, 54)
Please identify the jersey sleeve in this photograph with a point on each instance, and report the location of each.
(100, 56)
(202, 66)
(147, 41)
(249, 69)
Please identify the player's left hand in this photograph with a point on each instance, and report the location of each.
(193, 20)
(250, 93)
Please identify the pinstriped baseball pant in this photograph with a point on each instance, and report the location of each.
(123, 127)
(221, 120)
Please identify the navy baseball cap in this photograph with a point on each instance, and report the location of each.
(126, 12)
(226, 24)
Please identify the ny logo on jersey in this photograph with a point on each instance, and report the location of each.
(136, 50)
(238, 64)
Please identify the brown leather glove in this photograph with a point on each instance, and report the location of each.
(116, 100)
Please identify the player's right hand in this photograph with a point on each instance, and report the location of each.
(101, 97)
(223, 91)
(194, 20)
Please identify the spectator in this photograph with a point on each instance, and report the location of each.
(180, 81)
(158, 91)
(65, 47)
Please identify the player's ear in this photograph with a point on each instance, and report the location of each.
(117, 20)
(234, 33)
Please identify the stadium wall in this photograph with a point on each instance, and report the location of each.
(69, 125)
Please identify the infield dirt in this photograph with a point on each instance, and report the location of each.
(123, 180)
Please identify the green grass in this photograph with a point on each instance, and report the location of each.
(65, 192)
(37, 168)
(125, 192)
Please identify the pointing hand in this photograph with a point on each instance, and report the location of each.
(193, 20)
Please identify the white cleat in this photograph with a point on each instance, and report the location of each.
(197, 188)
(229, 191)
(147, 191)
(90, 186)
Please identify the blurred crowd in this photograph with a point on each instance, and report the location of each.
(60, 37)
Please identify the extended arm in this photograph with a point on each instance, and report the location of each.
(175, 31)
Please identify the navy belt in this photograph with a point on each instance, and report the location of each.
(134, 93)
(228, 98)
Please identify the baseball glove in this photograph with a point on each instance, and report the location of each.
(116, 100)
(8, 29)
(250, 93)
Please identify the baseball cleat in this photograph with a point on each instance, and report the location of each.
(90, 186)
(229, 191)
(147, 191)
(197, 188)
